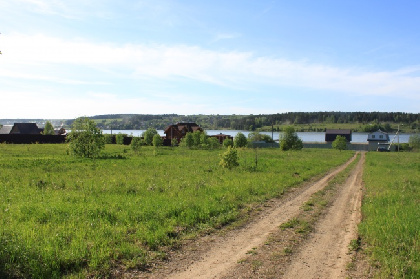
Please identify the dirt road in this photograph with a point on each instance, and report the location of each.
(324, 256)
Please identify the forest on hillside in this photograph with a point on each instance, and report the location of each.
(306, 121)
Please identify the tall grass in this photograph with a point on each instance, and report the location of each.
(66, 217)
(391, 213)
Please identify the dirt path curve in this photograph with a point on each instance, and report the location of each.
(326, 255)
(224, 252)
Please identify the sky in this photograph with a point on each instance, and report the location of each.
(65, 59)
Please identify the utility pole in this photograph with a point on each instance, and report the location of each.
(398, 136)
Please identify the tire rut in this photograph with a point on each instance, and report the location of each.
(326, 253)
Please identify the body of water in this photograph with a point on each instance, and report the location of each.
(304, 136)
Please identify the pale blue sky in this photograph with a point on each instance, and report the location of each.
(64, 59)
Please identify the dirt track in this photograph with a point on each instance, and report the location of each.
(326, 254)
(323, 256)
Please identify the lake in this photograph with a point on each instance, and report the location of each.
(304, 136)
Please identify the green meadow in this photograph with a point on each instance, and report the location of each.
(391, 213)
(62, 216)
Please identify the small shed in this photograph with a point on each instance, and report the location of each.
(331, 134)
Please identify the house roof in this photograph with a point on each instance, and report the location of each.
(6, 129)
(187, 126)
(25, 128)
(338, 131)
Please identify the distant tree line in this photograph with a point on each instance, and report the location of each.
(255, 122)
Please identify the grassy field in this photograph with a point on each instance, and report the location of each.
(66, 217)
(391, 213)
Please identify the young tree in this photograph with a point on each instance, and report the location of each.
(240, 140)
(414, 142)
(213, 143)
(85, 139)
(188, 140)
(230, 158)
(290, 140)
(48, 129)
(157, 140)
(136, 143)
(148, 136)
(340, 143)
(227, 143)
(119, 138)
(256, 136)
(197, 138)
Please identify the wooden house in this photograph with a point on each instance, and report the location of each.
(378, 140)
(331, 134)
(26, 129)
(179, 130)
(221, 137)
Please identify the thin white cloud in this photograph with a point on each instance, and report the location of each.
(28, 55)
(225, 36)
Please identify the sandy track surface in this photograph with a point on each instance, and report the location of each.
(326, 254)
(214, 256)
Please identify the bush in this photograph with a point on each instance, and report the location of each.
(227, 143)
(119, 138)
(85, 139)
(136, 144)
(157, 140)
(230, 158)
(148, 136)
(290, 140)
(109, 139)
(213, 143)
(414, 142)
(240, 140)
(187, 141)
(340, 143)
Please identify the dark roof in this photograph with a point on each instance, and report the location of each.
(25, 128)
(188, 126)
(331, 134)
(338, 131)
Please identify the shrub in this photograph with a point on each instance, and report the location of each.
(157, 140)
(213, 143)
(85, 139)
(340, 143)
(187, 141)
(148, 135)
(230, 158)
(108, 138)
(414, 142)
(119, 138)
(136, 143)
(240, 140)
(290, 140)
(227, 143)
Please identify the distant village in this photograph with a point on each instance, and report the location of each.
(31, 133)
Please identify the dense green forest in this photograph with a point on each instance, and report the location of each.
(303, 121)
